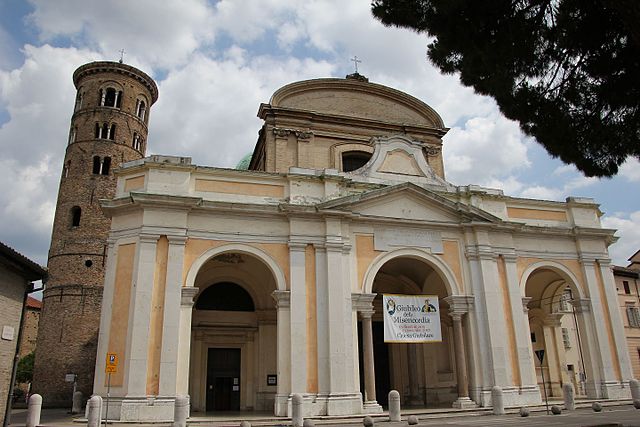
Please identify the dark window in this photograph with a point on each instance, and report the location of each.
(141, 109)
(570, 368)
(119, 99)
(627, 290)
(112, 134)
(105, 131)
(225, 296)
(100, 100)
(76, 213)
(110, 98)
(96, 165)
(533, 337)
(106, 164)
(97, 130)
(352, 160)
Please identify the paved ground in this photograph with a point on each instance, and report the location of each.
(623, 415)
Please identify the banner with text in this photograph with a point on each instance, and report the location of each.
(411, 318)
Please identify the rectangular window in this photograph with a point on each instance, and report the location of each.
(633, 316)
(565, 338)
(533, 337)
(627, 290)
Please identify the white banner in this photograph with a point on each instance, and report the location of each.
(411, 318)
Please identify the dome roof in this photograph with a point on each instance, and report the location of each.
(243, 164)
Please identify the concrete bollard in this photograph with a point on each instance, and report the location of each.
(181, 411)
(76, 406)
(569, 400)
(636, 403)
(497, 401)
(394, 405)
(297, 420)
(634, 385)
(308, 423)
(596, 406)
(368, 421)
(555, 410)
(94, 411)
(245, 424)
(524, 411)
(33, 411)
(412, 420)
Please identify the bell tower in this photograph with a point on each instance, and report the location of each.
(108, 127)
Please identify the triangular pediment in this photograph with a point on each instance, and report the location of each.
(408, 201)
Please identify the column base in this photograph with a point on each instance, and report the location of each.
(344, 404)
(615, 390)
(464, 403)
(139, 409)
(371, 407)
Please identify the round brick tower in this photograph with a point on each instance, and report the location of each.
(108, 127)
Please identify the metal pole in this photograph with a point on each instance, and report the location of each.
(106, 411)
(544, 387)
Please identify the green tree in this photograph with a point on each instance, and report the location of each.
(24, 373)
(568, 71)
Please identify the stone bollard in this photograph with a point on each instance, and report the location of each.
(634, 385)
(245, 424)
(33, 411)
(596, 406)
(368, 421)
(524, 411)
(394, 405)
(496, 401)
(76, 406)
(308, 423)
(636, 403)
(297, 420)
(181, 411)
(555, 410)
(94, 411)
(569, 400)
(412, 420)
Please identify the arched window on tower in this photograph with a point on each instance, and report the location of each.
(79, 99)
(119, 99)
(136, 141)
(97, 135)
(106, 165)
(96, 165)
(110, 98)
(141, 109)
(104, 134)
(352, 160)
(76, 213)
(65, 170)
(72, 135)
(112, 132)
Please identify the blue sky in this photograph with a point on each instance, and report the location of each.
(214, 63)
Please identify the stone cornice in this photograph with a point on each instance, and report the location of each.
(459, 304)
(363, 302)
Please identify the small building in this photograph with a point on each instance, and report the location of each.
(627, 281)
(30, 326)
(241, 288)
(16, 274)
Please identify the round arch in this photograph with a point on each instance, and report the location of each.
(271, 264)
(558, 268)
(452, 286)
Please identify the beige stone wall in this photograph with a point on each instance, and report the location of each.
(12, 287)
(632, 299)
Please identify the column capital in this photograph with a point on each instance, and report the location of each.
(281, 132)
(525, 303)
(362, 303)
(457, 317)
(553, 319)
(459, 304)
(187, 295)
(148, 238)
(509, 257)
(283, 298)
(177, 240)
(296, 246)
(582, 305)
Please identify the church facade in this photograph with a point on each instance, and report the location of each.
(240, 288)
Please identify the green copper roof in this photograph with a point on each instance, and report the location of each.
(243, 164)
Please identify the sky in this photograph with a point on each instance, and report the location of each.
(214, 63)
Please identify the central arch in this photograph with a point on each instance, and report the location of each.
(423, 373)
(234, 329)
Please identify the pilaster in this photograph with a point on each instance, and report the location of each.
(298, 313)
(283, 305)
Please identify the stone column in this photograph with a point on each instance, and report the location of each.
(298, 314)
(175, 338)
(554, 355)
(458, 306)
(363, 304)
(187, 296)
(412, 360)
(284, 352)
(591, 374)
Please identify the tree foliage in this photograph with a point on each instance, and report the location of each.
(567, 70)
(24, 373)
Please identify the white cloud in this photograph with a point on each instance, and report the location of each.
(629, 233)
(631, 169)
(161, 36)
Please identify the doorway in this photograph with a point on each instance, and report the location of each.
(223, 379)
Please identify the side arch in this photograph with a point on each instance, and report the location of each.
(453, 287)
(271, 264)
(557, 267)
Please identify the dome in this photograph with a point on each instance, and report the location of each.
(243, 164)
